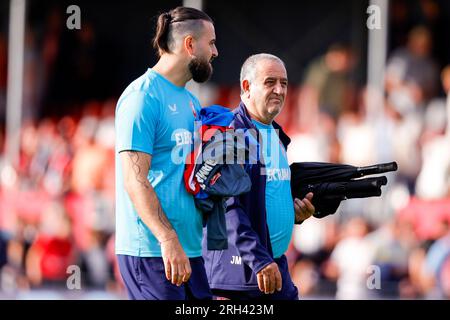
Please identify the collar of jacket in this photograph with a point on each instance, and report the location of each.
(244, 117)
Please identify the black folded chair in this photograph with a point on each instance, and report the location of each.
(331, 183)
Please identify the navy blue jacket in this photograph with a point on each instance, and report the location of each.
(249, 249)
(211, 180)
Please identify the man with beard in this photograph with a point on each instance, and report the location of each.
(158, 227)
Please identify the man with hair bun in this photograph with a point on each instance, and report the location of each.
(158, 227)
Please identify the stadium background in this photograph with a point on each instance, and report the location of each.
(57, 199)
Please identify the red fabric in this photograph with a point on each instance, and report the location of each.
(189, 171)
(206, 133)
(56, 256)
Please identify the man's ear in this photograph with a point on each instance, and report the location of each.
(246, 88)
(189, 45)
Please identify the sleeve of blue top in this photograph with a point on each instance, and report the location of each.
(136, 122)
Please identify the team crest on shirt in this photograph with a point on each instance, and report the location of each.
(173, 108)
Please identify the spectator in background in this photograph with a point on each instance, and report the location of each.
(356, 136)
(19, 242)
(328, 84)
(404, 14)
(433, 181)
(89, 204)
(52, 251)
(93, 260)
(327, 92)
(393, 244)
(410, 81)
(415, 285)
(350, 260)
(411, 72)
(305, 276)
(90, 160)
(312, 246)
(436, 265)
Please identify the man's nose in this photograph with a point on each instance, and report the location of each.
(278, 88)
(215, 53)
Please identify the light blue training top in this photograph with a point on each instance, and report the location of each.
(279, 202)
(157, 117)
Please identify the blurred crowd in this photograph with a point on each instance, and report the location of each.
(57, 202)
(397, 246)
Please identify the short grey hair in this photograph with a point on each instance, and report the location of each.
(248, 70)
